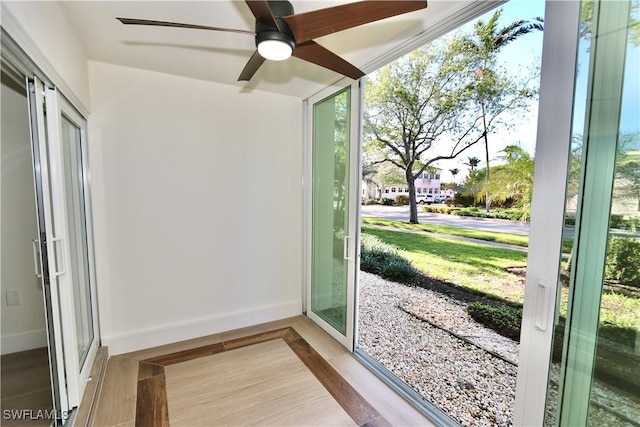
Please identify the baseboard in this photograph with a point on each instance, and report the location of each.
(125, 343)
(24, 341)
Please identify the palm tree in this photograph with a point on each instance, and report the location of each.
(454, 172)
(514, 179)
(473, 163)
(486, 42)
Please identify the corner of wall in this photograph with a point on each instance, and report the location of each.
(168, 334)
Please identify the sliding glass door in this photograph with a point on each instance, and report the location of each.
(595, 376)
(59, 151)
(333, 210)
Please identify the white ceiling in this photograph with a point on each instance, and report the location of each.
(220, 56)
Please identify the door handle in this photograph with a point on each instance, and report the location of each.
(58, 240)
(346, 248)
(35, 244)
(542, 306)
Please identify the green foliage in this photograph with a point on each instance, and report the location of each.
(623, 261)
(387, 202)
(503, 319)
(383, 259)
(438, 209)
(402, 200)
(464, 200)
(616, 221)
(491, 236)
(514, 179)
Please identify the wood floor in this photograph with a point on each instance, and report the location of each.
(26, 386)
(281, 373)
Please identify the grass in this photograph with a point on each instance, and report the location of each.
(620, 310)
(481, 269)
(475, 267)
(490, 236)
(617, 310)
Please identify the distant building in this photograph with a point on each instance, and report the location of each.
(426, 183)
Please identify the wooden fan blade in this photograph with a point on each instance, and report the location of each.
(313, 52)
(252, 66)
(310, 25)
(129, 21)
(263, 13)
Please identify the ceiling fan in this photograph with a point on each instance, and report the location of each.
(279, 33)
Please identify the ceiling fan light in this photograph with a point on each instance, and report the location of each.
(275, 50)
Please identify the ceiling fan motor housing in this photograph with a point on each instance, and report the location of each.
(267, 32)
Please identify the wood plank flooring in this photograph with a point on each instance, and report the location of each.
(279, 373)
(26, 385)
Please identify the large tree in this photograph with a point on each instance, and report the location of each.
(416, 111)
(493, 90)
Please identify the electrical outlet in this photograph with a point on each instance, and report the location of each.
(13, 297)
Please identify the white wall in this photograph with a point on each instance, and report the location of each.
(23, 325)
(44, 32)
(197, 206)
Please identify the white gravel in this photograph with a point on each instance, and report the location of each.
(472, 386)
(396, 327)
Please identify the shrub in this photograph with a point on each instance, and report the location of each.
(623, 261)
(616, 221)
(464, 200)
(504, 319)
(367, 201)
(382, 259)
(402, 199)
(387, 202)
(436, 209)
(632, 224)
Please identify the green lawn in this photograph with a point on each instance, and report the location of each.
(481, 269)
(474, 266)
(491, 236)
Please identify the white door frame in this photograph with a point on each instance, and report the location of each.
(69, 379)
(547, 213)
(50, 251)
(77, 375)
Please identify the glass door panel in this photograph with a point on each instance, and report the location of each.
(78, 248)
(594, 375)
(332, 217)
(330, 209)
(67, 157)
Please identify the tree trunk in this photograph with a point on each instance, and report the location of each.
(413, 208)
(487, 201)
